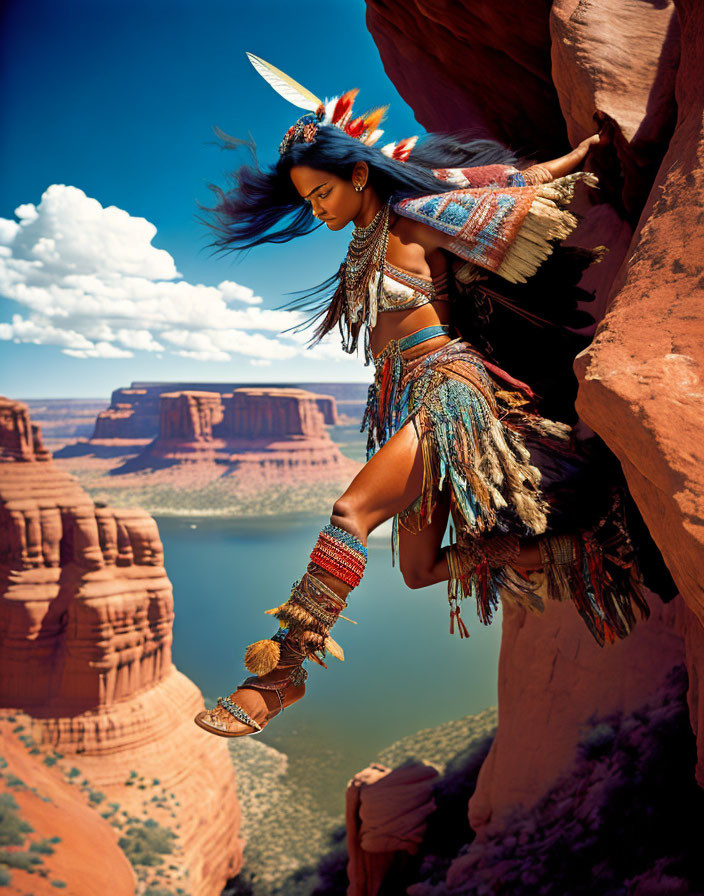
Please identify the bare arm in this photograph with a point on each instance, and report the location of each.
(546, 171)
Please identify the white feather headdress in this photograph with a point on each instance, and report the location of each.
(336, 111)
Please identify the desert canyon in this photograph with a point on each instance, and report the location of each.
(595, 770)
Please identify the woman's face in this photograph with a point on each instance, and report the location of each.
(333, 200)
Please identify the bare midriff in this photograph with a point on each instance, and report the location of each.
(397, 324)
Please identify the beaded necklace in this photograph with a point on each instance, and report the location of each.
(365, 258)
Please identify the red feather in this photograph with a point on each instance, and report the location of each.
(344, 104)
(356, 127)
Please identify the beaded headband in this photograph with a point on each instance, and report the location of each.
(336, 112)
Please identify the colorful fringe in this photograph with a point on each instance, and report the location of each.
(473, 435)
(305, 620)
(508, 230)
(483, 461)
(597, 570)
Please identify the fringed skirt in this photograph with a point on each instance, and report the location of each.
(508, 473)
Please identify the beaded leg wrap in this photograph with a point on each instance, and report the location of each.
(478, 568)
(312, 608)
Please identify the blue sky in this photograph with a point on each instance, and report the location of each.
(112, 104)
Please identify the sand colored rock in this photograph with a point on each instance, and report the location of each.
(385, 813)
(86, 616)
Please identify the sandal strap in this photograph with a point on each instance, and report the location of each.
(296, 677)
(238, 712)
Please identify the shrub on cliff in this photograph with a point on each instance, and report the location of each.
(144, 844)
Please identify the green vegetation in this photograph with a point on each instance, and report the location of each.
(96, 796)
(13, 829)
(43, 846)
(22, 860)
(144, 844)
(14, 781)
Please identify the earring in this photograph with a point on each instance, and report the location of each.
(359, 187)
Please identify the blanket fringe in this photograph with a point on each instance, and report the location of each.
(546, 220)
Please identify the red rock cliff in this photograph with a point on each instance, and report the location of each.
(529, 75)
(136, 412)
(272, 431)
(86, 613)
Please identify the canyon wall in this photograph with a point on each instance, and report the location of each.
(541, 76)
(86, 617)
(254, 431)
(135, 412)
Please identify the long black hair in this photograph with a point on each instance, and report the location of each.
(530, 329)
(262, 205)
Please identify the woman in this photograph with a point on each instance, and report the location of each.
(451, 434)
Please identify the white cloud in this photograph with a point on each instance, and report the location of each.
(94, 285)
(235, 292)
(100, 350)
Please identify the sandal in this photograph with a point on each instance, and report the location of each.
(293, 682)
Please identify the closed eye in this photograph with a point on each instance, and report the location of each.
(321, 195)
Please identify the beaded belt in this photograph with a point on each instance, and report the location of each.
(396, 346)
(423, 335)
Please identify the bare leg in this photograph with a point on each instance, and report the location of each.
(386, 485)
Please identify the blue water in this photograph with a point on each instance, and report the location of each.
(402, 670)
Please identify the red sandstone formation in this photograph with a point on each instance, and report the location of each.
(20, 439)
(527, 75)
(136, 412)
(261, 413)
(385, 813)
(188, 416)
(87, 858)
(255, 431)
(477, 65)
(86, 613)
(130, 416)
(546, 696)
